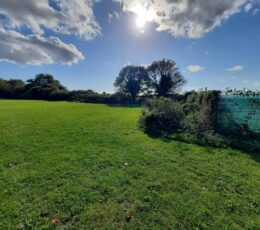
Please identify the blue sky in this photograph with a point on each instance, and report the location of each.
(223, 51)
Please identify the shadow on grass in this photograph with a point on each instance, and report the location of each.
(124, 105)
(246, 145)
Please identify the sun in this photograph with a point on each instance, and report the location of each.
(140, 21)
(143, 14)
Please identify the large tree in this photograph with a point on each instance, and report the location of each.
(45, 81)
(132, 80)
(42, 86)
(165, 77)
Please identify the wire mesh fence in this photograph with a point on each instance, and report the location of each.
(238, 112)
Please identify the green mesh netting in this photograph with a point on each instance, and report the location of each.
(236, 112)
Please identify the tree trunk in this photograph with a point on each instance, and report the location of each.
(133, 98)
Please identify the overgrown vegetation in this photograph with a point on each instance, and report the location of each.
(196, 112)
(193, 119)
(161, 117)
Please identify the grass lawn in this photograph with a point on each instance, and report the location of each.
(84, 166)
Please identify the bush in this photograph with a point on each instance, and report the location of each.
(161, 117)
(120, 98)
(196, 115)
(198, 123)
(59, 95)
(202, 106)
(90, 96)
(193, 121)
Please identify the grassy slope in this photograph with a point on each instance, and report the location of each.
(69, 161)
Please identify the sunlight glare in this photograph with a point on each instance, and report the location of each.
(140, 22)
(144, 15)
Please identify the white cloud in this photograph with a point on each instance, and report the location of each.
(113, 15)
(248, 7)
(110, 17)
(236, 68)
(186, 18)
(117, 15)
(73, 17)
(195, 68)
(78, 19)
(60, 16)
(36, 50)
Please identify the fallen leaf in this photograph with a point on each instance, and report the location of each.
(55, 221)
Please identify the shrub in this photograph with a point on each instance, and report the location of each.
(161, 117)
(59, 95)
(212, 139)
(198, 122)
(120, 98)
(194, 121)
(202, 106)
(90, 96)
(38, 93)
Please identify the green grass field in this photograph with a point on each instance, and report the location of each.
(84, 166)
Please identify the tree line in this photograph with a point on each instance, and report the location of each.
(43, 86)
(161, 78)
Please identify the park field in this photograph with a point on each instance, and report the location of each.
(87, 166)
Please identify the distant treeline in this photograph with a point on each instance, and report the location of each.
(133, 85)
(45, 87)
